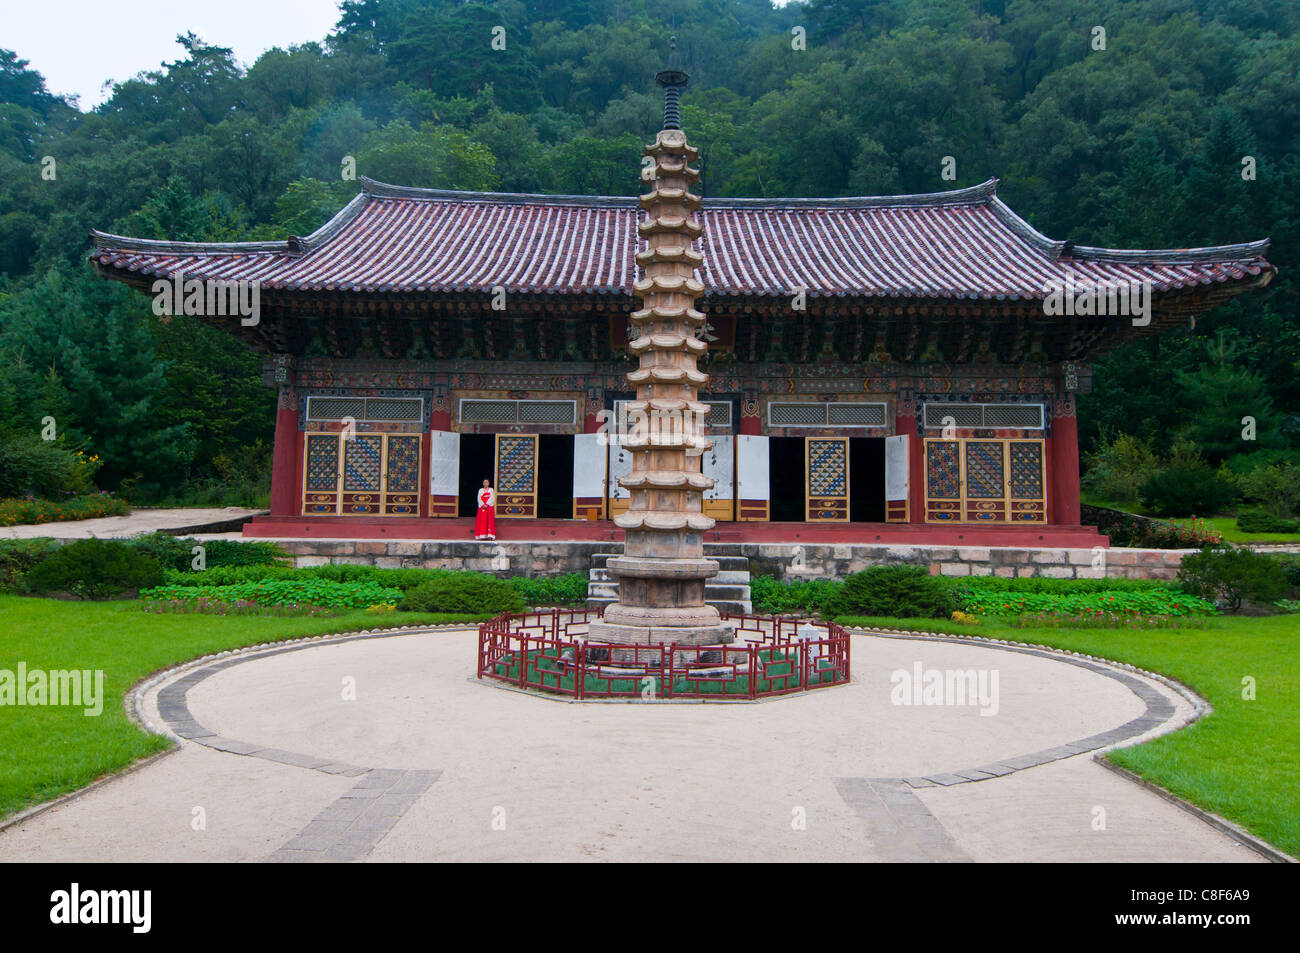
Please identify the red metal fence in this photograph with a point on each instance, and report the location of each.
(772, 655)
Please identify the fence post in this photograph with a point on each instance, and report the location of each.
(579, 668)
(753, 672)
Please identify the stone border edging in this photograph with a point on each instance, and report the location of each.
(1221, 824)
(132, 702)
(38, 809)
(1159, 710)
(1200, 706)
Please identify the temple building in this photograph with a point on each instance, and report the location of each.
(879, 368)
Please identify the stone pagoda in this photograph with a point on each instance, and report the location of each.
(662, 572)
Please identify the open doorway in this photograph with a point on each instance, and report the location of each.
(867, 479)
(477, 463)
(785, 476)
(555, 476)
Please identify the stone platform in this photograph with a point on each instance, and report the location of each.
(787, 560)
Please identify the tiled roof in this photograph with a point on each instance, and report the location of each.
(961, 244)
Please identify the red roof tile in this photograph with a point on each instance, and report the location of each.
(961, 244)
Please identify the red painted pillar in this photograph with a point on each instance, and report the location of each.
(591, 413)
(1064, 459)
(905, 416)
(751, 424)
(285, 488)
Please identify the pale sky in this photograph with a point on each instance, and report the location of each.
(78, 44)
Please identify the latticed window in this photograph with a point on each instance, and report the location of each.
(990, 416)
(856, 415)
(833, 414)
(546, 411)
(367, 408)
(335, 408)
(796, 415)
(385, 408)
(490, 411)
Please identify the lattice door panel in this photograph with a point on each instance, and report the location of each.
(402, 475)
(943, 481)
(1026, 481)
(320, 481)
(985, 481)
(986, 484)
(363, 466)
(369, 474)
(826, 479)
(516, 482)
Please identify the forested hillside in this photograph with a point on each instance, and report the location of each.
(1138, 144)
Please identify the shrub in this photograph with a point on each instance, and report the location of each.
(1232, 575)
(567, 590)
(229, 575)
(94, 569)
(1186, 490)
(1291, 571)
(463, 592)
(1275, 487)
(903, 591)
(1261, 521)
(1144, 603)
(18, 557)
(281, 592)
(980, 585)
(177, 552)
(1243, 463)
(44, 468)
(1119, 466)
(24, 512)
(403, 579)
(792, 597)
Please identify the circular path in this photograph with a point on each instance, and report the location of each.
(386, 749)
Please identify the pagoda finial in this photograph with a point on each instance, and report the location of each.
(673, 80)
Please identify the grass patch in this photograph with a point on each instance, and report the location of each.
(1227, 526)
(1224, 525)
(1240, 761)
(48, 751)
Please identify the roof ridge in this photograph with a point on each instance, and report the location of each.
(1240, 251)
(970, 195)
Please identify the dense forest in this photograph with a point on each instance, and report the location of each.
(1137, 140)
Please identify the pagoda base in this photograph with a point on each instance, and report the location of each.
(718, 634)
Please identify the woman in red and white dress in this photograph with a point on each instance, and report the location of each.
(485, 524)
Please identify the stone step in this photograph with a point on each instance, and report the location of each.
(739, 590)
(722, 605)
(728, 591)
(725, 563)
(726, 577)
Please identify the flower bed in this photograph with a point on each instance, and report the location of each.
(222, 607)
(16, 512)
(281, 592)
(1141, 602)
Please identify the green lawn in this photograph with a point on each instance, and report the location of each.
(1243, 760)
(1225, 525)
(48, 751)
